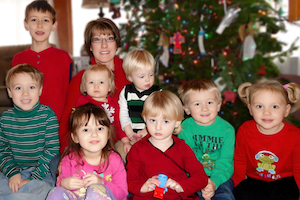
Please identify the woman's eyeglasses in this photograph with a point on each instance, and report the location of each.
(99, 39)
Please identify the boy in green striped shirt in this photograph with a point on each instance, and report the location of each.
(28, 137)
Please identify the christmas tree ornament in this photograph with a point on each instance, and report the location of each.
(262, 70)
(249, 48)
(201, 38)
(229, 96)
(229, 17)
(177, 39)
(162, 4)
(246, 29)
(217, 82)
(115, 8)
(164, 42)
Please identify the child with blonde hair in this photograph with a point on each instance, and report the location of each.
(90, 168)
(267, 161)
(97, 87)
(160, 152)
(139, 67)
(211, 137)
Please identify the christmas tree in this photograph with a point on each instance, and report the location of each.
(227, 41)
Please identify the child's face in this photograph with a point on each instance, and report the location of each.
(203, 106)
(268, 110)
(142, 79)
(160, 128)
(92, 138)
(39, 25)
(97, 85)
(24, 91)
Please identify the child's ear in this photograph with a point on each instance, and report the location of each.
(219, 106)
(9, 92)
(26, 25)
(287, 110)
(177, 124)
(74, 138)
(54, 26)
(40, 91)
(129, 78)
(250, 111)
(187, 110)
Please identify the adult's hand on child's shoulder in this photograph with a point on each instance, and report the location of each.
(209, 191)
(150, 184)
(72, 183)
(90, 179)
(126, 147)
(14, 182)
(172, 184)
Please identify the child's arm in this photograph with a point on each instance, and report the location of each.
(240, 158)
(124, 115)
(209, 191)
(224, 164)
(8, 165)
(51, 148)
(117, 184)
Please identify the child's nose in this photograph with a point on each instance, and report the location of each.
(267, 112)
(40, 24)
(158, 126)
(147, 78)
(25, 92)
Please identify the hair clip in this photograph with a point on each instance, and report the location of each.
(286, 86)
(73, 110)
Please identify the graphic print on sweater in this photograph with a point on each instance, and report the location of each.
(266, 164)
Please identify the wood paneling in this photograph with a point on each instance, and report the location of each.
(63, 10)
(294, 10)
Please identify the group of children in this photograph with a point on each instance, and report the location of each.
(143, 127)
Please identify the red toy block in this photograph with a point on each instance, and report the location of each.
(159, 192)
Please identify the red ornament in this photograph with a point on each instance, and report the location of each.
(262, 70)
(229, 96)
(177, 39)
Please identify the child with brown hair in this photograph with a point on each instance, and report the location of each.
(90, 168)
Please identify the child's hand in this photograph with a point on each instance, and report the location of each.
(72, 183)
(149, 185)
(126, 147)
(23, 183)
(90, 179)
(140, 134)
(174, 185)
(209, 191)
(14, 181)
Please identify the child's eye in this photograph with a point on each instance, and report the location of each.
(275, 106)
(31, 87)
(33, 20)
(85, 130)
(101, 82)
(166, 121)
(100, 128)
(259, 106)
(142, 76)
(18, 88)
(46, 20)
(152, 120)
(91, 82)
(197, 104)
(151, 74)
(210, 102)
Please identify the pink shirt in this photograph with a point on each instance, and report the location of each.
(114, 176)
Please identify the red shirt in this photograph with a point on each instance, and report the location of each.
(55, 64)
(266, 157)
(73, 94)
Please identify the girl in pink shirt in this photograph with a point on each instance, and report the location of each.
(90, 168)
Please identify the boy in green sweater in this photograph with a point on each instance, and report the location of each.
(28, 138)
(211, 138)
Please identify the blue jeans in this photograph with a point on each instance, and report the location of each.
(224, 192)
(53, 165)
(33, 190)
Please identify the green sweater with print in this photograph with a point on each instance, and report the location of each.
(213, 146)
(28, 139)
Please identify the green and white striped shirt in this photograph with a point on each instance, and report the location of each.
(28, 139)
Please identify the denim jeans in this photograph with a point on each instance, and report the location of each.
(33, 190)
(53, 165)
(224, 192)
